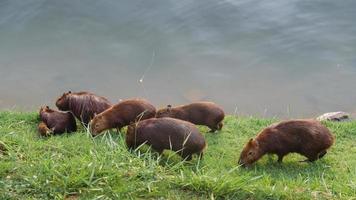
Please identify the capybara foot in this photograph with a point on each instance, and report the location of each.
(200, 156)
(212, 130)
(322, 154)
(280, 159)
(310, 159)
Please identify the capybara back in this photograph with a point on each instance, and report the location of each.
(167, 133)
(122, 114)
(199, 113)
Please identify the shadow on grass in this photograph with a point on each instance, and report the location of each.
(290, 168)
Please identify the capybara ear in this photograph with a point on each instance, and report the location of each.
(255, 143)
(69, 92)
(169, 107)
(250, 141)
(47, 107)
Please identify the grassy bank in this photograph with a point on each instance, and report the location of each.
(76, 166)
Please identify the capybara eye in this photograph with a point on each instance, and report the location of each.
(250, 153)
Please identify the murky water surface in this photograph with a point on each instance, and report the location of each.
(280, 58)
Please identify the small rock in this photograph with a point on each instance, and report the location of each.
(334, 116)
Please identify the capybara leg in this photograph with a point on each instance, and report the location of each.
(312, 157)
(159, 151)
(321, 154)
(131, 147)
(280, 158)
(200, 155)
(212, 129)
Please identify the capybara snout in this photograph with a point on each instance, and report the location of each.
(306, 137)
(167, 133)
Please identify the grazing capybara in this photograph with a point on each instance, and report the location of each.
(306, 137)
(56, 122)
(83, 105)
(122, 114)
(167, 133)
(199, 113)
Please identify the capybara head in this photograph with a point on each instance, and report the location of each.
(98, 124)
(250, 153)
(44, 109)
(44, 130)
(164, 112)
(62, 102)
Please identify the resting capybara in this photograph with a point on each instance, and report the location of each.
(122, 114)
(307, 137)
(43, 129)
(199, 113)
(83, 105)
(167, 133)
(55, 122)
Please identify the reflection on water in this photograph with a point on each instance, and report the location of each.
(274, 58)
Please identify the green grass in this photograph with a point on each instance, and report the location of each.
(77, 166)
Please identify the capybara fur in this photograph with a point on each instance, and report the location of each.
(43, 129)
(83, 105)
(122, 114)
(307, 137)
(199, 113)
(56, 122)
(167, 133)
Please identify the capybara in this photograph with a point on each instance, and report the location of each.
(56, 122)
(199, 113)
(122, 114)
(43, 129)
(167, 133)
(83, 105)
(306, 137)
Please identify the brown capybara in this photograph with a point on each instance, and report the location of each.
(43, 129)
(167, 133)
(83, 105)
(122, 114)
(199, 113)
(307, 137)
(56, 122)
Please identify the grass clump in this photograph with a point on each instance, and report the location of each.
(77, 166)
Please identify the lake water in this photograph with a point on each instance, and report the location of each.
(281, 58)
